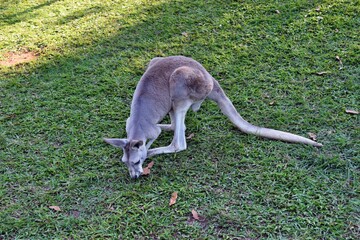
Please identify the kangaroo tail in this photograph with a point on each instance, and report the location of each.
(229, 110)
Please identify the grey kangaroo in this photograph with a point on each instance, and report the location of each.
(171, 85)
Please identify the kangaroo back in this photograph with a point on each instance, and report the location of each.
(229, 110)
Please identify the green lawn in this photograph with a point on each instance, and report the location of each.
(289, 65)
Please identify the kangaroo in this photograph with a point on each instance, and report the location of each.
(171, 85)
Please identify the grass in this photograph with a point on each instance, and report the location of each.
(267, 55)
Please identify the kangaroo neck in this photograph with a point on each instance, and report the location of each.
(139, 128)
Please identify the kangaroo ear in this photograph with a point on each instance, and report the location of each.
(136, 143)
(116, 142)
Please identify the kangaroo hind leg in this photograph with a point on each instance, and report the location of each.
(188, 87)
(168, 127)
(179, 141)
(196, 106)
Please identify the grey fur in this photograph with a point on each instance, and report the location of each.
(171, 86)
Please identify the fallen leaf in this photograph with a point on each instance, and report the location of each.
(272, 103)
(312, 136)
(76, 214)
(190, 136)
(340, 62)
(146, 170)
(321, 73)
(150, 165)
(173, 198)
(185, 34)
(350, 111)
(195, 214)
(55, 208)
(277, 11)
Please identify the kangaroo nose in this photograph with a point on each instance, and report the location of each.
(136, 175)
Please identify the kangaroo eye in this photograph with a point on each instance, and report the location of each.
(137, 163)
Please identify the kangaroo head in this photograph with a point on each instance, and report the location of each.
(135, 153)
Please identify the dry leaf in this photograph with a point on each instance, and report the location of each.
(185, 34)
(75, 214)
(272, 103)
(173, 198)
(195, 214)
(277, 11)
(321, 73)
(190, 136)
(55, 208)
(150, 165)
(340, 62)
(312, 136)
(350, 111)
(146, 170)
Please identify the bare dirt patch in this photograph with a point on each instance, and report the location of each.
(14, 58)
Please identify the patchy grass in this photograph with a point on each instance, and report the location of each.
(15, 58)
(267, 55)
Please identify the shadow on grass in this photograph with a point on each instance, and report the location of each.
(79, 14)
(25, 15)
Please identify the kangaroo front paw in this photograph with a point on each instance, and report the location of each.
(169, 149)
